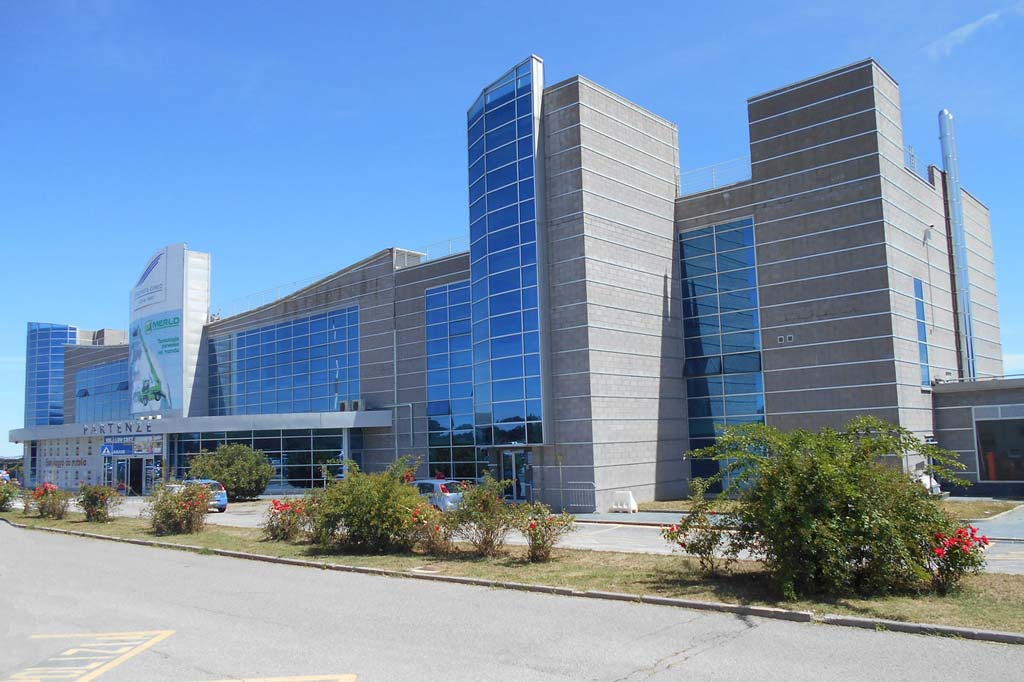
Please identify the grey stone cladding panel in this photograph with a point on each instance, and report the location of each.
(838, 284)
(803, 378)
(844, 105)
(802, 265)
(829, 354)
(815, 153)
(808, 92)
(817, 310)
(815, 421)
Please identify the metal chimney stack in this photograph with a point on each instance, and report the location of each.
(958, 240)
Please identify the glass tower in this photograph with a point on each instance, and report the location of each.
(503, 126)
(721, 330)
(44, 372)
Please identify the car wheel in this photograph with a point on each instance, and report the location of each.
(221, 510)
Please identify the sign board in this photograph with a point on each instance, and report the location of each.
(155, 338)
(116, 449)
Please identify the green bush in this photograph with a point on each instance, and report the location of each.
(824, 515)
(8, 493)
(698, 533)
(176, 509)
(367, 512)
(286, 520)
(51, 502)
(244, 472)
(98, 502)
(485, 517)
(28, 501)
(542, 529)
(434, 530)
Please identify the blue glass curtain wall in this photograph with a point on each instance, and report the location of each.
(449, 350)
(44, 372)
(721, 330)
(302, 458)
(503, 254)
(101, 392)
(310, 364)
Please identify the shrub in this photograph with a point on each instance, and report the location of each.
(51, 501)
(285, 520)
(956, 555)
(175, 509)
(8, 493)
(98, 502)
(824, 516)
(369, 512)
(244, 472)
(484, 517)
(542, 529)
(434, 530)
(699, 533)
(28, 501)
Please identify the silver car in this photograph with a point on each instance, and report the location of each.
(442, 493)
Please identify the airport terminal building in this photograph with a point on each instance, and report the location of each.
(609, 315)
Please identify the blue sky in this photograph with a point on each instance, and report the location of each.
(290, 139)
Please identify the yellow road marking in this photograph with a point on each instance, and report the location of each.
(124, 645)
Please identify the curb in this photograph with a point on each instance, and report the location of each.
(719, 607)
(925, 629)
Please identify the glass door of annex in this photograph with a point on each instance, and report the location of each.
(514, 467)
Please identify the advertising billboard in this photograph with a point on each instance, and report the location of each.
(155, 334)
(155, 351)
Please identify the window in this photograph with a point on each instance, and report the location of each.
(922, 333)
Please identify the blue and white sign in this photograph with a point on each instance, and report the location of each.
(116, 449)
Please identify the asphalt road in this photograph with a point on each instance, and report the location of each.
(195, 618)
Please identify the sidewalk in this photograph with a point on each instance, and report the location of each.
(1008, 526)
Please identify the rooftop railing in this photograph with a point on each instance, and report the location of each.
(714, 176)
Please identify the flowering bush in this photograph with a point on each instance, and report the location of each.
(698, 533)
(51, 501)
(8, 491)
(285, 520)
(823, 514)
(542, 529)
(369, 512)
(177, 509)
(435, 531)
(484, 517)
(244, 472)
(955, 555)
(28, 501)
(98, 502)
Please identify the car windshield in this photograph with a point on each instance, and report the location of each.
(216, 487)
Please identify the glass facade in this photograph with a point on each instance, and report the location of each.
(302, 458)
(452, 436)
(44, 372)
(502, 139)
(922, 333)
(310, 364)
(101, 392)
(721, 330)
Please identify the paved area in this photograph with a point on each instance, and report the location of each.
(1008, 525)
(178, 617)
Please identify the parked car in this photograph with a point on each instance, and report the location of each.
(218, 498)
(443, 493)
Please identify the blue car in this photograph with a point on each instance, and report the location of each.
(219, 498)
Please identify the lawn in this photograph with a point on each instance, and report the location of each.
(964, 509)
(989, 601)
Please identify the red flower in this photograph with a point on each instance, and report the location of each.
(984, 540)
(939, 552)
(533, 525)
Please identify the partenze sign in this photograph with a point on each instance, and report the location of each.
(117, 428)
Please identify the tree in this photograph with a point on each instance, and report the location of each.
(244, 472)
(824, 514)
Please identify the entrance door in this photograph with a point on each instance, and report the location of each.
(129, 475)
(513, 468)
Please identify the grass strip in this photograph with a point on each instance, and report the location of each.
(989, 601)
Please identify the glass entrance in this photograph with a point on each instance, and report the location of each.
(515, 468)
(127, 475)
